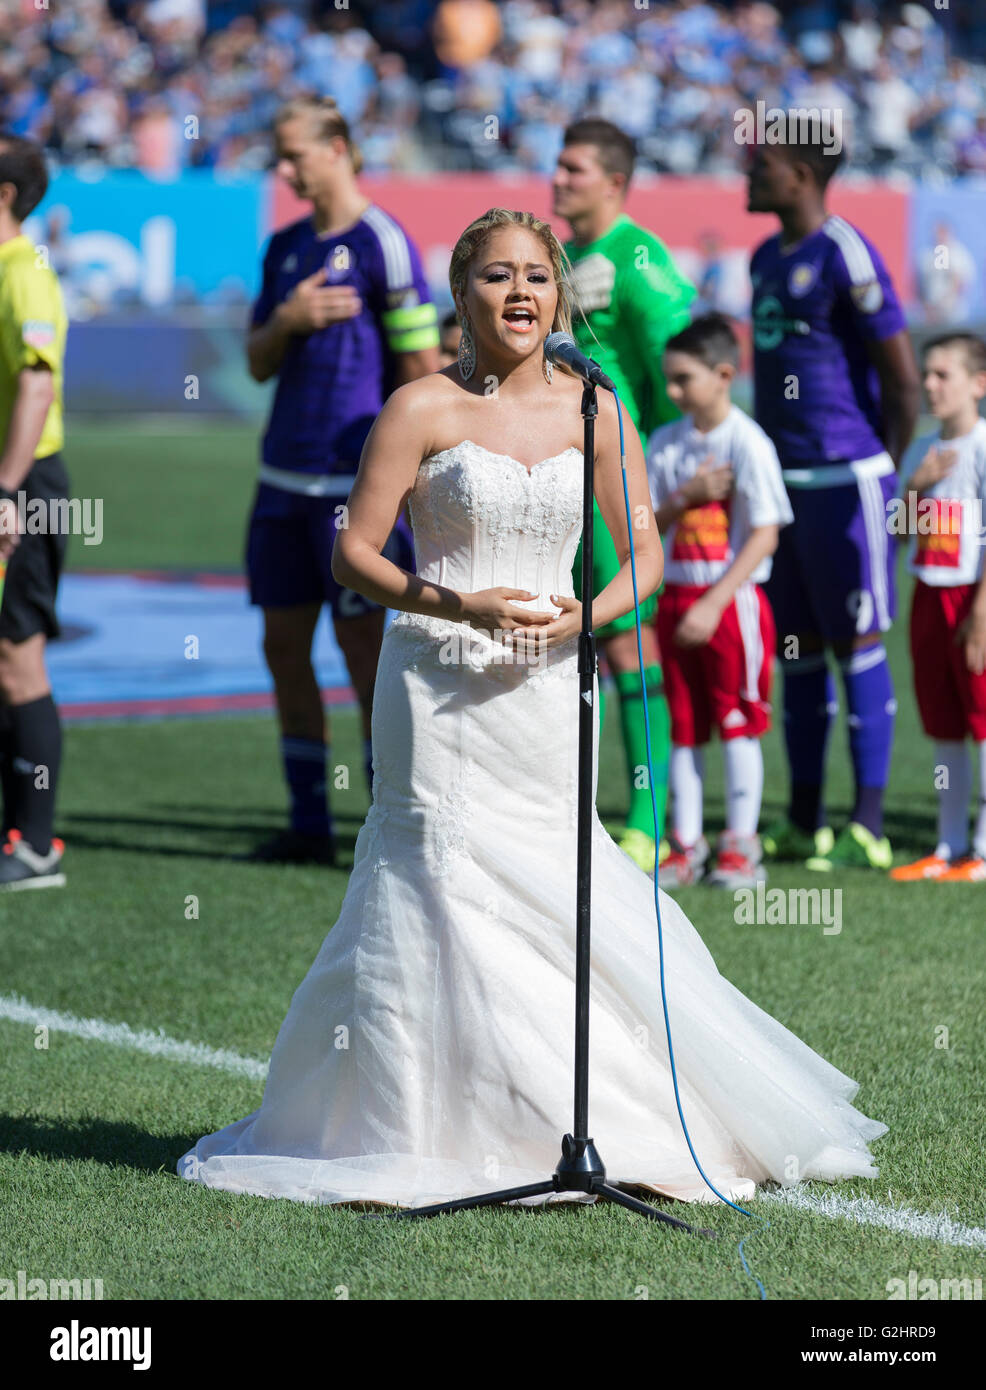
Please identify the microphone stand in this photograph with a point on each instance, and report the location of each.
(580, 1168)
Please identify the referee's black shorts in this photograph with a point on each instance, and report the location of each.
(34, 567)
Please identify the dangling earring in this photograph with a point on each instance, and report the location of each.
(548, 367)
(467, 352)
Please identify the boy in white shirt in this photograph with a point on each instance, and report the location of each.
(945, 493)
(720, 502)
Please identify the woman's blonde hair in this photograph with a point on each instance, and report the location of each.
(327, 119)
(474, 237)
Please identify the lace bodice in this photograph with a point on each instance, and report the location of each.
(483, 519)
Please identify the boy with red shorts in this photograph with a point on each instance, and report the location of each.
(720, 502)
(945, 493)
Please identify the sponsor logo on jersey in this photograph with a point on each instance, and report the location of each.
(592, 280)
(38, 333)
(771, 325)
(801, 279)
(702, 533)
(867, 298)
(290, 263)
(939, 542)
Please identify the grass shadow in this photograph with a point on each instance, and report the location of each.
(116, 1144)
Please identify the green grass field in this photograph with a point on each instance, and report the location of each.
(154, 813)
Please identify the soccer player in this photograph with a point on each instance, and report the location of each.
(837, 389)
(33, 329)
(945, 474)
(720, 502)
(633, 298)
(343, 317)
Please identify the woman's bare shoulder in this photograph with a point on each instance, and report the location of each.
(425, 393)
(420, 404)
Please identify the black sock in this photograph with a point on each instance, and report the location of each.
(35, 751)
(7, 783)
(806, 807)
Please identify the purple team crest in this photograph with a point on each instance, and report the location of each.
(340, 263)
(801, 279)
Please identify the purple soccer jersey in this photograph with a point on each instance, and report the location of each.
(816, 306)
(331, 386)
(332, 383)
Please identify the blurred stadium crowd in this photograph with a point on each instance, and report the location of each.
(469, 84)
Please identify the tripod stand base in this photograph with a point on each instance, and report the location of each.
(580, 1169)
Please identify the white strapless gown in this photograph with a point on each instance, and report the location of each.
(428, 1053)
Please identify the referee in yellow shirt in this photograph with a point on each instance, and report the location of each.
(33, 328)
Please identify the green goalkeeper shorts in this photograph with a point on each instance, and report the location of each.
(606, 566)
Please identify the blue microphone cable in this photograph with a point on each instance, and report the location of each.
(657, 903)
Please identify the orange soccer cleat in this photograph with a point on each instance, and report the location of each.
(969, 869)
(931, 866)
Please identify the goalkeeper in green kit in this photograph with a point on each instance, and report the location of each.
(633, 300)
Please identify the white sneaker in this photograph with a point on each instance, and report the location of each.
(22, 867)
(738, 862)
(684, 865)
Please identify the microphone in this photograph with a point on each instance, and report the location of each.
(561, 348)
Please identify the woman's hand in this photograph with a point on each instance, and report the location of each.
(533, 641)
(495, 611)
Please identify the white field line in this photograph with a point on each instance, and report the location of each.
(863, 1210)
(919, 1225)
(158, 1044)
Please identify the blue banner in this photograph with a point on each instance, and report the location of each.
(122, 239)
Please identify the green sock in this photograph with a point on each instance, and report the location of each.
(641, 815)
